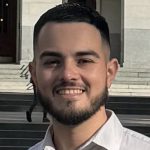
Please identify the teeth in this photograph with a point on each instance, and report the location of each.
(68, 91)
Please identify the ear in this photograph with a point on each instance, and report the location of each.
(112, 68)
(32, 70)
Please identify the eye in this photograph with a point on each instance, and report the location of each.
(85, 61)
(51, 63)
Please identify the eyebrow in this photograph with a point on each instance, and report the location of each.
(48, 53)
(88, 52)
(78, 54)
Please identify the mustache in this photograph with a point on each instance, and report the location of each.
(63, 84)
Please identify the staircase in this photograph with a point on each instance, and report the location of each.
(20, 136)
(129, 81)
(15, 132)
(14, 78)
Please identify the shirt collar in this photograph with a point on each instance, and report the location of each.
(47, 143)
(110, 135)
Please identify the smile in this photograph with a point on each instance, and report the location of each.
(69, 91)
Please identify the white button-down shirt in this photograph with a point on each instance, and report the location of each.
(112, 136)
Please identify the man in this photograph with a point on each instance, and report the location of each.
(72, 72)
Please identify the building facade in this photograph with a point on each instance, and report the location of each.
(129, 23)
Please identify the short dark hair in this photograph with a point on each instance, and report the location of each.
(73, 12)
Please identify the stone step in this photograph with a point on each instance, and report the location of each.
(11, 76)
(21, 142)
(133, 74)
(16, 90)
(16, 102)
(129, 105)
(116, 93)
(5, 134)
(23, 82)
(17, 133)
(129, 90)
(16, 86)
(14, 147)
(14, 75)
(17, 120)
(141, 69)
(16, 96)
(133, 79)
(10, 72)
(14, 80)
(12, 66)
(131, 82)
(127, 86)
(21, 125)
(13, 71)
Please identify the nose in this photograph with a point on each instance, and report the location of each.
(69, 71)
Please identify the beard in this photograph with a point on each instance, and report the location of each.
(73, 117)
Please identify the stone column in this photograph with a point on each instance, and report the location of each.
(137, 33)
(31, 11)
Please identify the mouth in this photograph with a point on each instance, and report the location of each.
(70, 91)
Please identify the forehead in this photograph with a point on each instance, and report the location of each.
(72, 30)
(68, 36)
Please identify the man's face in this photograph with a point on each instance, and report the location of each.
(71, 71)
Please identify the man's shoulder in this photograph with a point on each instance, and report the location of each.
(134, 140)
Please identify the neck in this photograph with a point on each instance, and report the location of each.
(72, 137)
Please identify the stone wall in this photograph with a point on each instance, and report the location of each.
(137, 33)
(31, 11)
